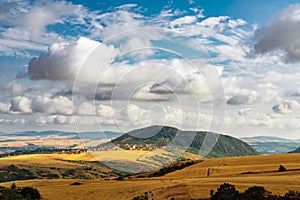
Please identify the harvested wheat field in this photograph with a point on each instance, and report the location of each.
(192, 182)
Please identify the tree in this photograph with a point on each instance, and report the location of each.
(226, 191)
(292, 195)
(30, 193)
(257, 193)
(14, 193)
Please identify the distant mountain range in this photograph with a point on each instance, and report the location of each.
(168, 137)
(272, 145)
(158, 136)
(51, 134)
(31, 140)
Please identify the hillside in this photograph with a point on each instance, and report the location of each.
(162, 137)
(54, 166)
(296, 150)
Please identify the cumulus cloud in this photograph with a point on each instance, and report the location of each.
(59, 105)
(243, 97)
(4, 108)
(21, 104)
(282, 32)
(38, 104)
(64, 61)
(285, 107)
(55, 119)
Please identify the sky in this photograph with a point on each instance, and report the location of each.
(228, 66)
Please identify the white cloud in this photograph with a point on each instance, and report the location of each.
(23, 33)
(64, 61)
(86, 109)
(59, 105)
(21, 104)
(105, 111)
(282, 33)
(47, 13)
(198, 12)
(243, 97)
(12, 122)
(183, 20)
(4, 108)
(55, 119)
(38, 104)
(286, 107)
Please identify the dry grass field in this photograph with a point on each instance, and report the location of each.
(192, 182)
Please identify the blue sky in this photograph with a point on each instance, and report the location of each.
(225, 66)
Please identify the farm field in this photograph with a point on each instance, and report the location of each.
(193, 182)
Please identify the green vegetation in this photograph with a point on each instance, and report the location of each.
(281, 168)
(142, 197)
(228, 191)
(12, 172)
(14, 193)
(168, 137)
(171, 168)
(87, 170)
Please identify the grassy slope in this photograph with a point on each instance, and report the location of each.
(190, 182)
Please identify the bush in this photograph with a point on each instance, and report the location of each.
(256, 192)
(141, 197)
(281, 168)
(14, 193)
(76, 183)
(30, 193)
(226, 191)
(292, 195)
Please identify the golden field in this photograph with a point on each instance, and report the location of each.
(192, 182)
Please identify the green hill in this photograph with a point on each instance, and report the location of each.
(192, 141)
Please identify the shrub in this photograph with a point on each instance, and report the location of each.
(292, 195)
(14, 193)
(256, 192)
(281, 168)
(76, 183)
(141, 197)
(226, 191)
(30, 193)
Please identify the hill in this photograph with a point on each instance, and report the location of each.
(192, 141)
(271, 145)
(54, 166)
(296, 150)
